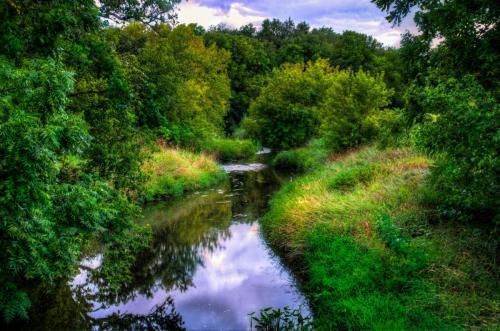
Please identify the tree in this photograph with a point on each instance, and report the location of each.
(453, 99)
(284, 115)
(147, 12)
(349, 102)
(250, 63)
(468, 31)
(460, 129)
(180, 85)
(49, 206)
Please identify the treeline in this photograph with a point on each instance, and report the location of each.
(255, 53)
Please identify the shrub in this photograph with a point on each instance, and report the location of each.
(390, 128)
(461, 129)
(285, 113)
(349, 103)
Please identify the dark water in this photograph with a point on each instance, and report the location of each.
(207, 267)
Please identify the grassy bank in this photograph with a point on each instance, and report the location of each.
(373, 256)
(302, 159)
(226, 149)
(173, 171)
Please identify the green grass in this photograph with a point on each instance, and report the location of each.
(172, 172)
(302, 159)
(372, 256)
(225, 149)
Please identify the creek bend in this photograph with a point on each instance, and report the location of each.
(206, 268)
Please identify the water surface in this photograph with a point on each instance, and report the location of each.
(207, 267)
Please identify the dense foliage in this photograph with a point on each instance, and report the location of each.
(68, 160)
(88, 89)
(286, 112)
(254, 53)
(302, 101)
(460, 129)
(180, 86)
(452, 99)
(348, 112)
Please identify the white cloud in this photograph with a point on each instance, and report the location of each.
(236, 16)
(380, 30)
(357, 15)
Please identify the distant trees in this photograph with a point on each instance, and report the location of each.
(255, 53)
(250, 64)
(302, 101)
(180, 85)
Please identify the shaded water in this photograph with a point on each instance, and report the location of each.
(207, 267)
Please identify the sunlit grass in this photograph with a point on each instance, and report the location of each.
(226, 149)
(373, 256)
(173, 171)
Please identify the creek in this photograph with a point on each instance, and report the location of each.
(206, 268)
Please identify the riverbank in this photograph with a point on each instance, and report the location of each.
(171, 172)
(372, 255)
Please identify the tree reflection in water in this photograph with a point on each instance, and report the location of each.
(162, 318)
(184, 232)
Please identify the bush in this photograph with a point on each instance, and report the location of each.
(285, 113)
(349, 103)
(391, 128)
(461, 129)
(231, 149)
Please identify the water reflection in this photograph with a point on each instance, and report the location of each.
(207, 266)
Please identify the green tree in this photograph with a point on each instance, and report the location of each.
(461, 129)
(453, 98)
(49, 206)
(467, 29)
(250, 64)
(285, 113)
(180, 85)
(349, 104)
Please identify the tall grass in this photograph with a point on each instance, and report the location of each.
(371, 254)
(303, 158)
(225, 149)
(173, 171)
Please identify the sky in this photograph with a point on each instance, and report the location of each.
(357, 15)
